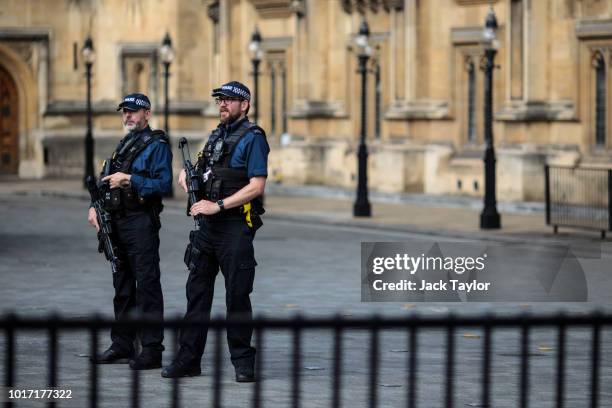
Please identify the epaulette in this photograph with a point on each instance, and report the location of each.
(256, 129)
(158, 133)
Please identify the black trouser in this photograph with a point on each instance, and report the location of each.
(137, 286)
(227, 244)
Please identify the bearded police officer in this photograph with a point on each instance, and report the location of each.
(137, 176)
(234, 163)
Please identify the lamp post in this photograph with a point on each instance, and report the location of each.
(88, 57)
(489, 218)
(362, 206)
(167, 55)
(256, 56)
(377, 92)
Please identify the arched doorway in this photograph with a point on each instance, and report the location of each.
(9, 125)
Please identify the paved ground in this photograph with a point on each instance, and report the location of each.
(49, 264)
(448, 215)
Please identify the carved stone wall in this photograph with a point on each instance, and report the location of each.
(309, 87)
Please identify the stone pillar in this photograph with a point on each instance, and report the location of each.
(397, 61)
(300, 53)
(537, 54)
(318, 36)
(411, 48)
(217, 14)
(43, 77)
(225, 35)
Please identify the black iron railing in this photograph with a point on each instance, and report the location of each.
(411, 325)
(579, 197)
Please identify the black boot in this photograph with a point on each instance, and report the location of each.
(245, 373)
(180, 368)
(147, 360)
(111, 356)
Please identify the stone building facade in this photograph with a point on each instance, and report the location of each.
(552, 89)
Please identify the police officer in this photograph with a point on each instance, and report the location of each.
(140, 173)
(235, 161)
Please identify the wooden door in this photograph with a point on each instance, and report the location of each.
(9, 135)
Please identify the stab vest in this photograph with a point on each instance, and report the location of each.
(223, 181)
(121, 161)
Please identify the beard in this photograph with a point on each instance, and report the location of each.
(132, 126)
(229, 117)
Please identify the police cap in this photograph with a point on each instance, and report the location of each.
(135, 102)
(233, 89)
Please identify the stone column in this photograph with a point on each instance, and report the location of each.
(224, 40)
(43, 76)
(396, 55)
(537, 54)
(300, 53)
(213, 12)
(317, 49)
(411, 41)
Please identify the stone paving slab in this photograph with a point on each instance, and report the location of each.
(449, 215)
(49, 264)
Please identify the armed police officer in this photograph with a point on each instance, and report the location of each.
(234, 165)
(133, 182)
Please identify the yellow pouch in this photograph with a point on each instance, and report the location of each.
(247, 211)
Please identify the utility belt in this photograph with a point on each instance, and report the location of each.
(122, 199)
(120, 214)
(243, 213)
(150, 211)
(123, 202)
(231, 213)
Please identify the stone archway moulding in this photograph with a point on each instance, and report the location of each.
(24, 54)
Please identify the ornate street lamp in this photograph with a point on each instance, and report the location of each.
(377, 92)
(489, 218)
(362, 207)
(298, 7)
(167, 56)
(89, 57)
(256, 56)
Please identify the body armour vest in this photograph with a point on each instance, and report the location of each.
(221, 180)
(121, 161)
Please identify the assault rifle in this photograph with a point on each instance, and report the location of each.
(105, 244)
(193, 179)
